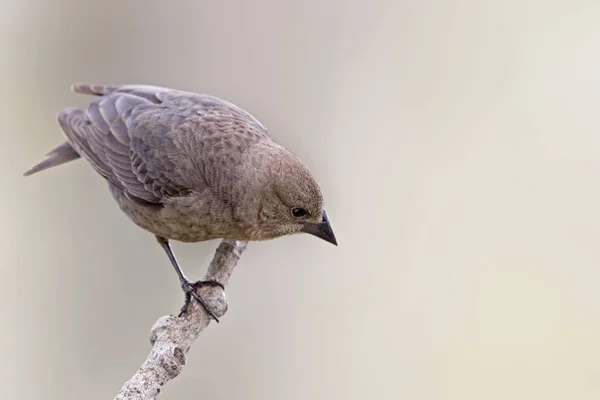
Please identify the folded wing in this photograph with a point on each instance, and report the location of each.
(154, 142)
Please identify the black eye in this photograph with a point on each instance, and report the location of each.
(298, 212)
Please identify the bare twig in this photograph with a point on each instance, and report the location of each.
(171, 337)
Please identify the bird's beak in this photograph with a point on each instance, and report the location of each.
(321, 230)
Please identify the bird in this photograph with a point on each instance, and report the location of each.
(190, 167)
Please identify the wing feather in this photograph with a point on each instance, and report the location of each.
(154, 142)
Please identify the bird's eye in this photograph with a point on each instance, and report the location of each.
(298, 212)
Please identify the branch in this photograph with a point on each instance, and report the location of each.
(171, 337)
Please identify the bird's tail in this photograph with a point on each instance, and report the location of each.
(60, 155)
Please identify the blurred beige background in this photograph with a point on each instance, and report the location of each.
(457, 144)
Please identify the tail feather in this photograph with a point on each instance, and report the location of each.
(92, 89)
(60, 155)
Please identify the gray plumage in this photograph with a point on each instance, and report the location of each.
(190, 167)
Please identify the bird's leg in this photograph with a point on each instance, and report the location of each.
(189, 287)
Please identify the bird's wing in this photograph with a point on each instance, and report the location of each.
(153, 142)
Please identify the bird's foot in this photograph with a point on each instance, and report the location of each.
(189, 288)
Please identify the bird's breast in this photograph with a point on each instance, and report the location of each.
(185, 220)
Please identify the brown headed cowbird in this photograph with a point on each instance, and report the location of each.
(190, 167)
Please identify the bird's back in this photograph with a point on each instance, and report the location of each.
(152, 142)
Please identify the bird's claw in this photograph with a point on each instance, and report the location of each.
(189, 288)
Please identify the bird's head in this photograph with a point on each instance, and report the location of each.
(289, 199)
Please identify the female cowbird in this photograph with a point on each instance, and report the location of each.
(190, 167)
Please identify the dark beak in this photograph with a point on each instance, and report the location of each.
(321, 230)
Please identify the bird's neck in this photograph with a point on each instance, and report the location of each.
(251, 180)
